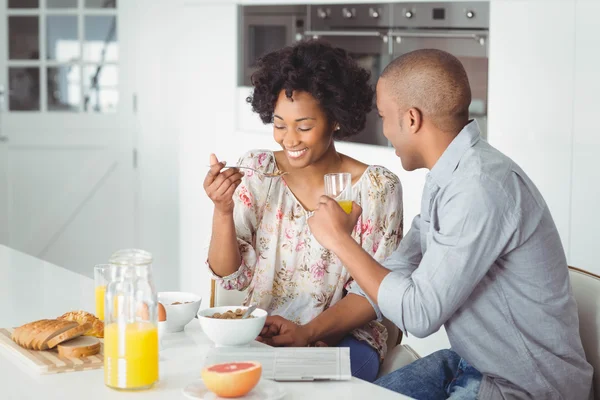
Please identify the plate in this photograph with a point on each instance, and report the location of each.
(265, 390)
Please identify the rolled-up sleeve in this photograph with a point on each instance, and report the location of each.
(460, 251)
(355, 289)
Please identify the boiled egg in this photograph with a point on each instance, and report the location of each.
(162, 313)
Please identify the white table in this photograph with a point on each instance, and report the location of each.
(32, 289)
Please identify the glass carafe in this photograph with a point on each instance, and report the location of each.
(131, 330)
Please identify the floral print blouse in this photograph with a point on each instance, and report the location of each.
(286, 271)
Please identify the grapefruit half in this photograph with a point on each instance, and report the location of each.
(233, 379)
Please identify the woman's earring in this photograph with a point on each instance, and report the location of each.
(337, 128)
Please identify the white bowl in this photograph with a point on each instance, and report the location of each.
(231, 332)
(179, 315)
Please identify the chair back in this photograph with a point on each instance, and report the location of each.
(586, 289)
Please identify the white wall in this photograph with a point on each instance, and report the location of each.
(158, 88)
(531, 94)
(585, 196)
(208, 65)
(543, 86)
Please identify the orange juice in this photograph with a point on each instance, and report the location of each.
(131, 355)
(346, 205)
(100, 302)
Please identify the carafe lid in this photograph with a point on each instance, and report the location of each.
(135, 257)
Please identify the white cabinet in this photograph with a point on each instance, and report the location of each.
(531, 94)
(585, 201)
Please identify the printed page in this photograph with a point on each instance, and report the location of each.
(290, 363)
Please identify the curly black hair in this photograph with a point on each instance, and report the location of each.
(328, 73)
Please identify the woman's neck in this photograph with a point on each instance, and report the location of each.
(330, 162)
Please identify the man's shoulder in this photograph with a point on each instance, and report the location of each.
(483, 160)
(486, 171)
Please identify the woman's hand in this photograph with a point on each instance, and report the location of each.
(219, 186)
(279, 332)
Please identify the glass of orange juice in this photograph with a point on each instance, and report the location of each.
(101, 277)
(339, 187)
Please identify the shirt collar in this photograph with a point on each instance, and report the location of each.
(445, 166)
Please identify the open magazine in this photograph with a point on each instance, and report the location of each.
(290, 363)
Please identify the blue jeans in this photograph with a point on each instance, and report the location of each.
(441, 375)
(364, 360)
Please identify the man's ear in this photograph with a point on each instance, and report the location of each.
(416, 119)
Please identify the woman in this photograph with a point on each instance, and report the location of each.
(312, 93)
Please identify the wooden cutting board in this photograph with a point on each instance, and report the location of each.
(48, 361)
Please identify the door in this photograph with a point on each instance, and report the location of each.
(67, 178)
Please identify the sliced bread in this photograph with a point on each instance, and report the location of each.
(30, 332)
(69, 334)
(81, 346)
(19, 333)
(40, 342)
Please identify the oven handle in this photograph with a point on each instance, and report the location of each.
(478, 36)
(343, 33)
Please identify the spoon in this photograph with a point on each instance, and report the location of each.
(275, 174)
(249, 311)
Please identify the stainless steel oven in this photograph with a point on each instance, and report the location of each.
(363, 31)
(460, 28)
(375, 34)
(265, 29)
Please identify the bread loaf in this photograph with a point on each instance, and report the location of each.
(82, 346)
(82, 317)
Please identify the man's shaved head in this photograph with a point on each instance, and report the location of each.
(435, 83)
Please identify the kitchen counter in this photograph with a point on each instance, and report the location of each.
(32, 289)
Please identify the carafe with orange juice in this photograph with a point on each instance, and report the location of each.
(131, 326)
(339, 187)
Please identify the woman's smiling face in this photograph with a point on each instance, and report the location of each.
(301, 128)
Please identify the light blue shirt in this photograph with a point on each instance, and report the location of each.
(485, 260)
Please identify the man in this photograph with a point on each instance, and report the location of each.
(483, 258)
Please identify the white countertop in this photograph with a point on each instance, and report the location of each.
(32, 289)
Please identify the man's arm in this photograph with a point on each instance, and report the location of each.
(330, 326)
(358, 308)
(458, 255)
(333, 324)
(404, 260)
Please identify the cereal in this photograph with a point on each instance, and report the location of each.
(230, 314)
(178, 302)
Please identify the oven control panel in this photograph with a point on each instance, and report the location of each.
(463, 15)
(457, 15)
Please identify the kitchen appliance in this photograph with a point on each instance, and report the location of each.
(265, 29)
(375, 34)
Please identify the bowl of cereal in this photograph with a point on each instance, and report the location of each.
(181, 308)
(225, 326)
